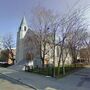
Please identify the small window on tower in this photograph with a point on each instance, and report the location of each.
(24, 28)
(19, 28)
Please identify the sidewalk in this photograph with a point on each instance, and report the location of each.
(40, 82)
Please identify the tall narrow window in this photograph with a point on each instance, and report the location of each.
(24, 28)
(20, 28)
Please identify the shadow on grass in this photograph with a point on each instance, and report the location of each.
(48, 71)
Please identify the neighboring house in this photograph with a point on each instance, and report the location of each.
(27, 51)
(6, 56)
(11, 59)
(85, 54)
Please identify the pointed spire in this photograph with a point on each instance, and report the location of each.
(23, 22)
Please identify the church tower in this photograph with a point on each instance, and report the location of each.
(20, 40)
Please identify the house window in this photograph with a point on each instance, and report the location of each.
(24, 28)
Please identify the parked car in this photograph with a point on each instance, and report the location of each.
(28, 68)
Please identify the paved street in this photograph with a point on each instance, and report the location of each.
(77, 81)
(10, 84)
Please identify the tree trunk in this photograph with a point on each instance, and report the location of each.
(54, 62)
(58, 71)
(63, 68)
(42, 63)
(54, 69)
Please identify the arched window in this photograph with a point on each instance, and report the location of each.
(20, 28)
(24, 28)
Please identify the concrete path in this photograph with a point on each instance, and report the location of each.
(77, 81)
(11, 84)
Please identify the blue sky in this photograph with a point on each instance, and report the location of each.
(12, 11)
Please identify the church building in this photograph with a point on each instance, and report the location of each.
(27, 49)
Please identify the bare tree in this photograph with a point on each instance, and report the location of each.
(87, 44)
(8, 44)
(78, 35)
(72, 34)
(54, 29)
(71, 29)
(45, 19)
(63, 34)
